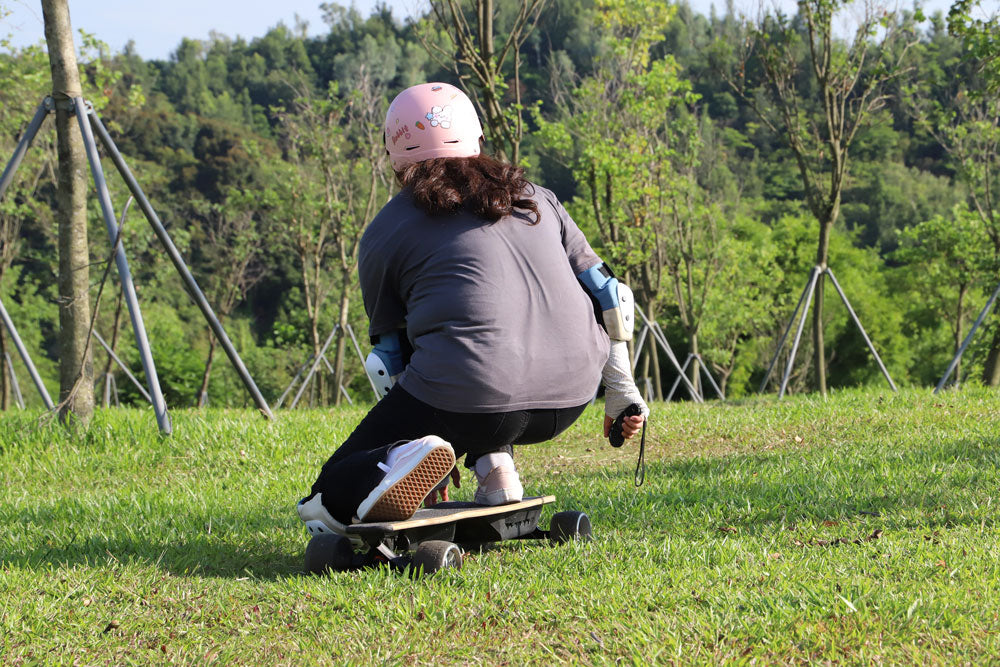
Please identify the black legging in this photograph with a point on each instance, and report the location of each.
(352, 472)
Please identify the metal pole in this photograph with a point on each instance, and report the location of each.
(704, 369)
(32, 371)
(328, 366)
(661, 338)
(121, 365)
(114, 383)
(24, 144)
(346, 395)
(798, 332)
(677, 381)
(357, 348)
(638, 346)
(864, 334)
(968, 339)
(13, 382)
(281, 399)
(192, 287)
(124, 273)
(784, 336)
(312, 371)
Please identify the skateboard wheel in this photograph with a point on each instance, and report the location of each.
(328, 553)
(435, 555)
(566, 526)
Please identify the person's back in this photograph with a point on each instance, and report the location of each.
(493, 310)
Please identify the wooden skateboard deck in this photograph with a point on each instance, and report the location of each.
(447, 512)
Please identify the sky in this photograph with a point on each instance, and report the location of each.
(157, 27)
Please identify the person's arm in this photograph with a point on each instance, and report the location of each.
(386, 316)
(614, 310)
(620, 391)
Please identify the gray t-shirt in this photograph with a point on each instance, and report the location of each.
(494, 312)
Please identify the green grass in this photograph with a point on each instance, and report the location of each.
(854, 530)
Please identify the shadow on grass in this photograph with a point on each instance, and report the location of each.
(230, 553)
(946, 484)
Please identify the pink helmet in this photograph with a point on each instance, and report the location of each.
(431, 120)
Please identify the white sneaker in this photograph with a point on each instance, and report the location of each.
(412, 470)
(499, 483)
(319, 521)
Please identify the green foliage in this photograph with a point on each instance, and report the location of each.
(693, 198)
(948, 269)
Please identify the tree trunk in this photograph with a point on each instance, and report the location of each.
(644, 372)
(991, 374)
(317, 379)
(959, 315)
(338, 360)
(694, 369)
(75, 368)
(115, 329)
(654, 359)
(819, 353)
(206, 376)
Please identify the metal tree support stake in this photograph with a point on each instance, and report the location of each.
(189, 282)
(32, 371)
(968, 339)
(312, 370)
(124, 273)
(708, 374)
(23, 144)
(864, 334)
(302, 368)
(639, 344)
(121, 365)
(798, 332)
(784, 336)
(13, 381)
(704, 370)
(662, 340)
(806, 297)
(357, 348)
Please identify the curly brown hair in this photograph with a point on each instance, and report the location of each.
(483, 185)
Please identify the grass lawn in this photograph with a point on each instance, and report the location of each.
(857, 530)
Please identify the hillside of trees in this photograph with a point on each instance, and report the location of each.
(706, 157)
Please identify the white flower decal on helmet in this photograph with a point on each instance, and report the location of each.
(440, 116)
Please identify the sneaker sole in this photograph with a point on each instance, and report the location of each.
(402, 499)
(501, 497)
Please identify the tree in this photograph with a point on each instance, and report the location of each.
(960, 107)
(231, 247)
(476, 59)
(743, 310)
(75, 367)
(26, 79)
(633, 141)
(817, 101)
(945, 257)
(338, 179)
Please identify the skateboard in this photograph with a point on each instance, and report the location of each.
(434, 538)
